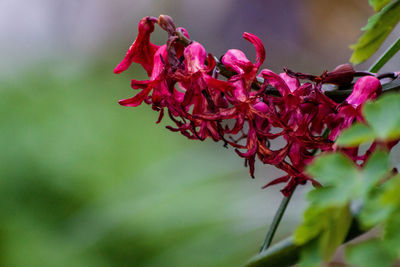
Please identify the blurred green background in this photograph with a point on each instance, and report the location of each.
(86, 182)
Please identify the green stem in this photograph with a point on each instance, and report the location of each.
(386, 57)
(275, 222)
(281, 210)
(287, 252)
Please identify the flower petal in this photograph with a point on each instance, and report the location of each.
(366, 88)
(260, 50)
(142, 50)
(292, 83)
(276, 81)
(195, 57)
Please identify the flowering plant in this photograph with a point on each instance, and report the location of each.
(234, 101)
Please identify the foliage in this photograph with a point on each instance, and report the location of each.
(369, 194)
(378, 28)
(383, 118)
(379, 4)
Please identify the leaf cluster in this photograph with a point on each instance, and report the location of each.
(378, 27)
(366, 195)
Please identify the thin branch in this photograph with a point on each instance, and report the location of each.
(287, 253)
(386, 57)
(276, 221)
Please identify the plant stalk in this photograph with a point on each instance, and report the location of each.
(386, 57)
(275, 222)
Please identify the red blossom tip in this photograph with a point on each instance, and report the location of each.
(276, 81)
(195, 56)
(166, 23)
(342, 75)
(236, 60)
(141, 51)
(260, 50)
(366, 88)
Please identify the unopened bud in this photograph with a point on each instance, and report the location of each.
(366, 88)
(167, 23)
(342, 75)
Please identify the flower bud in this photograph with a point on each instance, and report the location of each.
(167, 24)
(366, 88)
(342, 75)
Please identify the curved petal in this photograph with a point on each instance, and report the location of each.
(195, 57)
(279, 180)
(135, 84)
(366, 88)
(136, 100)
(224, 114)
(237, 61)
(276, 81)
(260, 50)
(142, 50)
(292, 83)
(160, 57)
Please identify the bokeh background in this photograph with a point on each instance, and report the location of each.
(86, 182)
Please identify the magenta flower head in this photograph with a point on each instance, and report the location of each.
(142, 50)
(366, 88)
(185, 83)
(237, 61)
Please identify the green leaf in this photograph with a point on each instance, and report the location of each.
(391, 195)
(392, 234)
(340, 179)
(376, 167)
(318, 220)
(333, 169)
(381, 203)
(310, 255)
(373, 213)
(314, 222)
(377, 29)
(323, 231)
(383, 116)
(329, 196)
(370, 253)
(355, 135)
(378, 4)
(336, 232)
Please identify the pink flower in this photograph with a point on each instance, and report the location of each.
(156, 82)
(184, 83)
(142, 50)
(366, 88)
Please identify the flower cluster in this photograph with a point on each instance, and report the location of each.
(250, 107)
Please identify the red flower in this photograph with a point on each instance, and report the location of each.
(184, 81)
(142, 50)
(366, 88)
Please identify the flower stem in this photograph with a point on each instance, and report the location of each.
(275, 222)
(282, 208)
(386, 57)
(287, 253)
